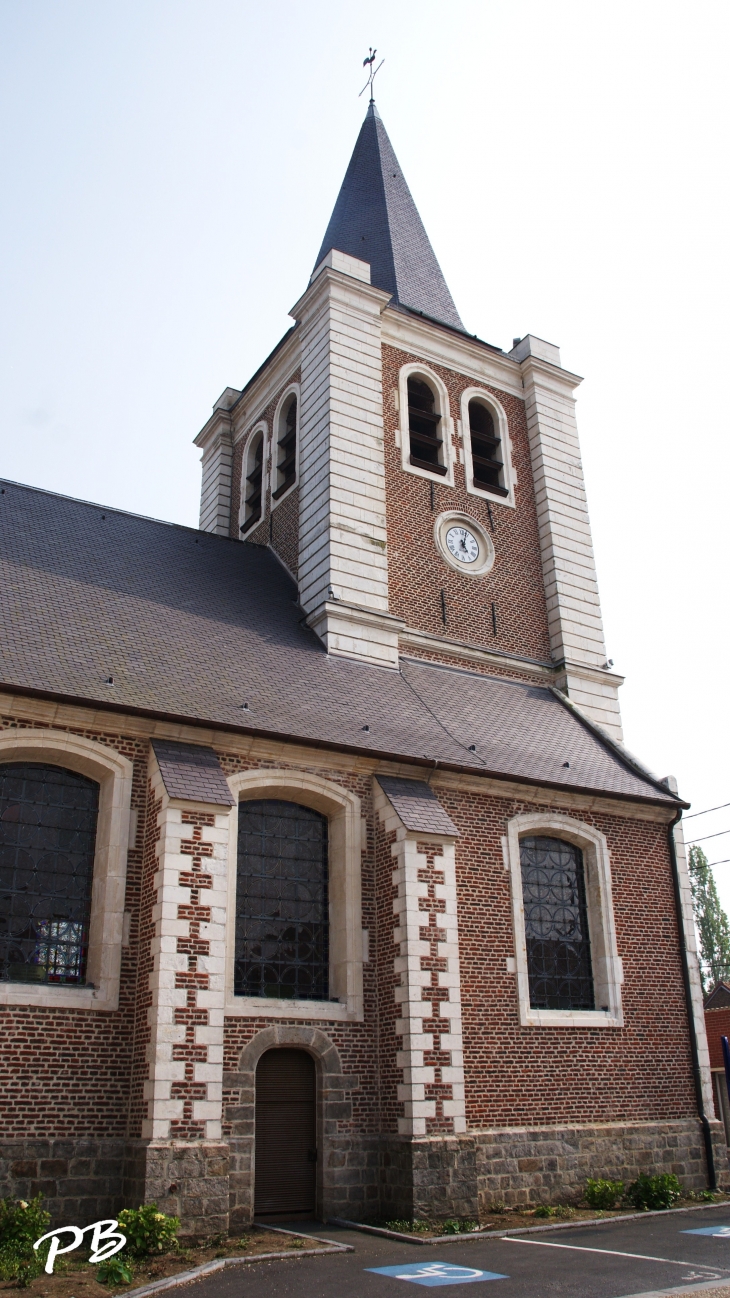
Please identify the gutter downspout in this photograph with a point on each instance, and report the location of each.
(696, 1071)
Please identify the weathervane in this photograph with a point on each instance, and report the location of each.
(368, 62)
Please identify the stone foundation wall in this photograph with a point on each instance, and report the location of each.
(463, 1176)
(551, 1164)
(80, 1180)
(360, 1177)
(189, 1180)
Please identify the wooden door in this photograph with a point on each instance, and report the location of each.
(286, 1134)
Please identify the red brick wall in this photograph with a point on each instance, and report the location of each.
(517, 1075)
(417, 573)
(717, 1023)
(74, 1073)
(279, 527)
(67, 1072)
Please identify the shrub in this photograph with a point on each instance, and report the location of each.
(498, 1207)
(407, 1227)
(544, 1210)
(564, 1212)
(20, 1265)
(603, 1194)
(22, 1221)
(147, 1230)
(21, 1224)
(654, 1192)
(115, 1271)
(459, 1226)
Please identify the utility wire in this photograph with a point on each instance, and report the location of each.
(706, 836)
(707, 812)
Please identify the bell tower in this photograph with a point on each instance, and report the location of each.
(439, 508)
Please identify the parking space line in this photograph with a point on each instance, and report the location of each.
(614, 1252)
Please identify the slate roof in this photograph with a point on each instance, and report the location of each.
(192, 772)
(192, 627)
(417, 806)
(719, 997)
(376, 219)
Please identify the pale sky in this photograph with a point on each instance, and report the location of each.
(169, 169)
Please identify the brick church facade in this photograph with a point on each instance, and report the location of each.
(328, 885)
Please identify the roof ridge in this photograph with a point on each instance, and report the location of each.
(111, 509)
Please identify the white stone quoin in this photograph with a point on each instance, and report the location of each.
(574, 613)
(170, 964)
(411, 950)
(343, 562)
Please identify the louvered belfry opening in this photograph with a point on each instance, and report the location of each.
(48, 821)
(286, 1134)
(423, 426)
(287, 464)
(254, 484)
(485, 450)
(282, 908)
(556, 925)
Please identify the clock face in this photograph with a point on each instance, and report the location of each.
(462, 544)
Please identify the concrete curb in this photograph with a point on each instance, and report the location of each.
(217, 1264)
(522, 1230)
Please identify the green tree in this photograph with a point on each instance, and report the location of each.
(712, 923)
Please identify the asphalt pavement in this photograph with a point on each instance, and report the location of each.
(675, 1253)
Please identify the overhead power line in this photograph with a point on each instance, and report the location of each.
(707, 811)
(706, 836)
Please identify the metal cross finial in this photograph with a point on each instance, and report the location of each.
(368, 62)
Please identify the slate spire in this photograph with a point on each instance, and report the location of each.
(376, 220)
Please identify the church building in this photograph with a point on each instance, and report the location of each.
(326, 883)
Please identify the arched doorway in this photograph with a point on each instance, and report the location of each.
(286, 1134)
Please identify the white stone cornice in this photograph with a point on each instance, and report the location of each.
(426, 641)
(454, 351)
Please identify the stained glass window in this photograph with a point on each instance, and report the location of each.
(282, 917)
(47, 837)
(556, 925)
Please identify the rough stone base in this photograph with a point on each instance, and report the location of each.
(429, 1178)
(81, 1180)
(185, 1180)
(550, 1164)
(359, 1177)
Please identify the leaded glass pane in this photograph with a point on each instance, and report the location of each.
(282, 915)
(556, 925)
(47, 839)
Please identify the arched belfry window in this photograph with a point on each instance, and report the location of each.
(486, 450)
(286, 462)
(426, 444)
(253, 481)
(48, 819)
(556, 925)
(282, 908)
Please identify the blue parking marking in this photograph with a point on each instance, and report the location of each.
(436, 1273)
(719, 1231)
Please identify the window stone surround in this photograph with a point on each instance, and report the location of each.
(113, 773)
(342, 810)
(606, 963)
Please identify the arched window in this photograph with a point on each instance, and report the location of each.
(486, 450)
(556, 925)
(286, 441)
(282, 909)
(48, 819)
(426, 447)
(253, 481)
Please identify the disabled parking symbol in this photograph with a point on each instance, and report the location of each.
(720, 1232)
(436, 1273)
